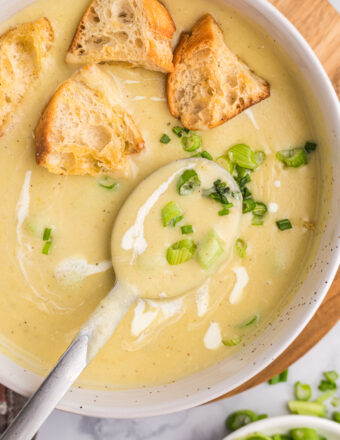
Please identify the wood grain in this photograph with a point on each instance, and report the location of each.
(319, 23)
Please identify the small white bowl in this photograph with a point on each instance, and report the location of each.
(227, 375)
(283, 424)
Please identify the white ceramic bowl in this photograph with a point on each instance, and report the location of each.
(282, 425)
(226, 375)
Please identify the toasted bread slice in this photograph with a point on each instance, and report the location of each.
(84, 129)
(137, 32)
(22, 52)
(209, 84)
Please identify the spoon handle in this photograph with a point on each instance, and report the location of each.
(91, 338)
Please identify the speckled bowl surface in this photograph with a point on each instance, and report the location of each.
(224, 376)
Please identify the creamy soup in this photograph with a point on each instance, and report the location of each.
(46, 297)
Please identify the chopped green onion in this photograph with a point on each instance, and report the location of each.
(282, 377)
(171, 214)
(257, 220)
(325, 385)
(292, 158)
(188, 182)
(47, 234)
(187, 229)
(336, 416)
(252, 321)
(108, 183)
(259, 436)
(47, 247)
(240, 418)
(260, 209)
(331, 376)
(281, 437)
(310, 147)
(304, 434)
(191, 143)
(179, 131)
(225, 209)
(241, 247)
(204, 154)
(284, 224)
(303, 392)
(180, 252)
(164, 139)
(209, 250)
(335, 402)
(260, 157)
(233, 341)
(248, 205)
(307, 408)
(325, 396)
(218, 192)
(225, 163)
(243, 156)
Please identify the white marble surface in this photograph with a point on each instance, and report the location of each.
(205, 422)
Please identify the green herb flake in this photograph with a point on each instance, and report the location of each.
(108, 183)
(47, 247)
(279, 378)
(165, 139)
(204, 154)
(310, 147)
(284, 224)
(241, 247)
(336, 416)
(47, 234)
(187, 229)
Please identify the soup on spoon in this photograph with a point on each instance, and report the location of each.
(175, 229)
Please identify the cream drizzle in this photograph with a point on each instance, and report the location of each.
(241, 282)
(74, 269)
(134, 236)
(202, 298)
(250, 115)
(212, 338)
(273, 207)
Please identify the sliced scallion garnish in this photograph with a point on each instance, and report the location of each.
(260, 157)
(165, 139)
(282, 377)
(252, 321)
(240, 418)
(304, 434)
(241, 247)
(191, 143)
(325, 396)
(336, 416)
(188, 182)
(303, 391)
(307, 408)
(204, 154)
(187, 229)
(171, 214)
(47, 234)
(218, 192)
(180, 252)
(248, 205)
(225, 209)
(260, 209)
(331, 376)
(257, 220)
(294, 157)
(232, 341)
(47, 247)
(310, 147)
(179, 131)
(284, 224)
(210, 250)
(225, 163)
(107, 183)
(243, 156)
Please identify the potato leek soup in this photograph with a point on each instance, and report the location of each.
(56, 230)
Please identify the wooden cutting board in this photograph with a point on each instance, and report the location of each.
(319, 23)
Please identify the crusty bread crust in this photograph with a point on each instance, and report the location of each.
(85, 130)
(209, 84)
(23, 50)
(137, 36)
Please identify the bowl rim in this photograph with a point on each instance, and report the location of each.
(286, 422)
(71, 401)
